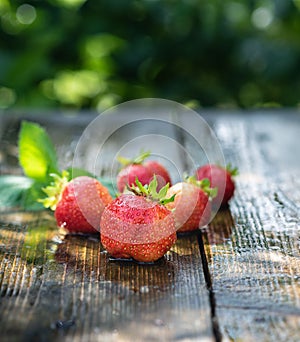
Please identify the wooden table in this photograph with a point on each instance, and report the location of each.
(237, 280)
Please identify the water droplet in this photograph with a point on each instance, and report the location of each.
(144, 289)
(158, 322)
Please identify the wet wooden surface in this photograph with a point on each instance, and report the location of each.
(238, 280)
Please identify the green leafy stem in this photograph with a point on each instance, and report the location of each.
(38, 159)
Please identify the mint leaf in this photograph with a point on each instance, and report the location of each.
(37, 154)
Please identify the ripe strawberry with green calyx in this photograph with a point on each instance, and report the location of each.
(192, 205)
(137, 225)
(222, 179)
(143, 170)
(162, 175)
(78, 203)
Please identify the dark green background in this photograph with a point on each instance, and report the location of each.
(95, 53)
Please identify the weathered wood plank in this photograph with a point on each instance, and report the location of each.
(252, 251)
(55, 286)
(253, 248)
(63, 287)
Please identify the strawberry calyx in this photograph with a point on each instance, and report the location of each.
(54, 190)
(203, 184)
(149, 191)
(137, 160)
(233, 171)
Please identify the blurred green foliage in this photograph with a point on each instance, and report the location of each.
(95, 54)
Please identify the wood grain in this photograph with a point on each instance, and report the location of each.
(253, 247)
(64, 287)
(245, 287)
(56, 286)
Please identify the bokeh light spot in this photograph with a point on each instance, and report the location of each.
(26, 14)
(262, 17)
(71, 3)
(7, 97)
(107, 101)
(73, 87)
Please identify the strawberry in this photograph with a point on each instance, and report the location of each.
(137, 225)
(128, 175)
(144, 171)
(78, 203)
(191, 206)
(162, 175)
(222, 179)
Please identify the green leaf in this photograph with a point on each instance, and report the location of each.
(23, 192)
(203, 184)
(152, 188)
(141, 157)
(31, 196)
(163, 191)
(140, 186)
(12, 190)
(37, 154)
(168, 200)
(137, 160)
(213, 192)
(150, 191)
(20, 192)
(234, 171)
(124, 161)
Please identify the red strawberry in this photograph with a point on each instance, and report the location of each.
(222, 179)
(144, 171)
(138, 225)
(192, 206)
(78, 203)
(128, 175)
(162, 175)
